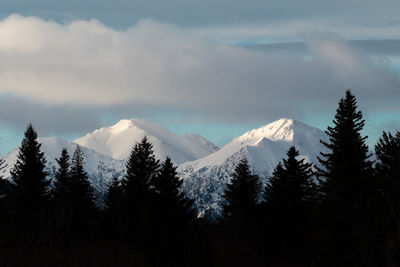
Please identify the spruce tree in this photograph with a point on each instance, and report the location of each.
(387, 168)
(291, 184)
(141, 168)
(288, 208)
(347, 186)
(28, 174)
(5, 185)
(348, 159)
(387, 152)
(81, 194)
(173, 216)
(62, 183)
(242, 193)
(113, 196)
(113, 207)
(167, 185)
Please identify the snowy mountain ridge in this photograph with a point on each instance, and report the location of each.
(100, 168)
(117, 141)
(205, 179)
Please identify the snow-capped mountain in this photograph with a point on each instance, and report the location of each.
(100, 168)
(205, 178)
(117, 141)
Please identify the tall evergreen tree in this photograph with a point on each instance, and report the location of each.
(28, 174)
(5, 185)
(291, 184)
(347, 186)
(387, 152)
(113, 196)
(242, 193)
(113, 208)
(81, 194)
(288, 208)
(348, 159)
(173, 218)
(172, 201)
(138, 211)
(62, 183)
(387, 167)
(141, 168)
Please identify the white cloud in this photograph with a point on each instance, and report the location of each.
(162, 65)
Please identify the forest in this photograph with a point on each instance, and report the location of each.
(344, 211)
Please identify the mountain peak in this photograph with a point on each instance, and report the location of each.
(122, 125)
(282, 129)
(116, 141)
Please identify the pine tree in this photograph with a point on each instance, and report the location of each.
(387, 152)
(28, 174)
(141, 168)
(387, 168)
(347, 186)
(5, 185)
(288, 208)
(348, 159)
(113, 196)
(138, 210)
(173, 216)
(113, 208)
(81, 194)
(242, 193)
(62, 183)
(170, 199)
(291, 184)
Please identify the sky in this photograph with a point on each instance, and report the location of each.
(217, 68)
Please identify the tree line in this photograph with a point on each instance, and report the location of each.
(345, 211)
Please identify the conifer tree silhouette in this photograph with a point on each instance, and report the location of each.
(174, 215)
(288, 209)
(387, 168)
(113, 196)
(138, 208)
(113, 208)
(29, 175)
(62, 182)
(167, 186)
(242, 193)
(347, 186)
(81, 196)
(291, 184)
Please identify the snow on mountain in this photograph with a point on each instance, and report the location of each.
(205, 178)
(117, 141)
(100, 168)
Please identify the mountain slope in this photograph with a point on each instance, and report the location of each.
(205, 179)
(100, 168)
(117, 141)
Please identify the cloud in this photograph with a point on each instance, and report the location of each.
(87, 66)
(380, 47)
(57, 120)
